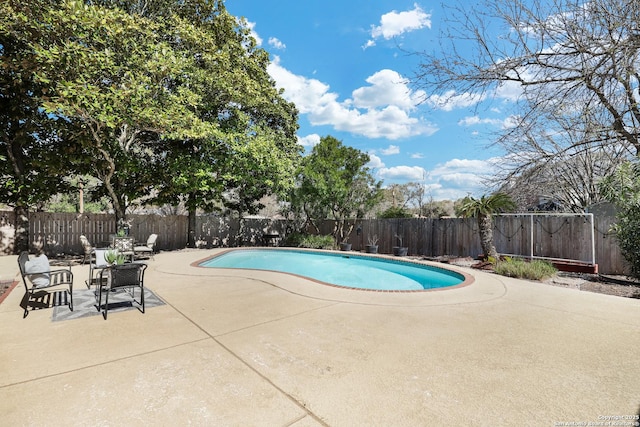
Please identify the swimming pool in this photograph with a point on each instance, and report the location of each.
(340, 269)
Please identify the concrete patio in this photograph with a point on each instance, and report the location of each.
(251, 348)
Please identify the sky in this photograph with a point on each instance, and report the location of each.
(347, 66)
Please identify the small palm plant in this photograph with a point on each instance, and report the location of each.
(483, 209)
(113, 257)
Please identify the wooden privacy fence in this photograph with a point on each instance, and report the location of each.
(59, 233)
(552, 236)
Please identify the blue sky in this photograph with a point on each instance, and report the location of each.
(345, 65)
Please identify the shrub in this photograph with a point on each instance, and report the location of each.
(318, 242)
(627, 229)
(293, 240)
(395, 212)
(533, 270)
(298, 240)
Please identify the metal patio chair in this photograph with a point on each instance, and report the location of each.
(86, 247)
(148, 248)
(121, 278)
(97, 263)
(40, 279)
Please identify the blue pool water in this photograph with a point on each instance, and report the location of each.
(340, 269)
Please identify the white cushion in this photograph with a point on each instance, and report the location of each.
(38, 270)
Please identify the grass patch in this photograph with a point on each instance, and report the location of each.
(521, 269)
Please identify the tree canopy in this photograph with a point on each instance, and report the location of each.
(334, 182)
(564, 71)
(483, 209)
(168, 100)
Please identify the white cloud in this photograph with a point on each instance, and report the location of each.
(452, 100)
(417, 156)
(381, 110)
(461, 177)
(395, 23)
(511, 122)
(388, 87)
(250, 26)
(451, 180)
(309, 140)
(509, 91)
(369, 43)
(375, 162)
(476, 120)
(408, 173)
(276, 44)
(392, 149)
(507, 123)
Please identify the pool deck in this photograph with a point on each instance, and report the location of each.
(251, 348)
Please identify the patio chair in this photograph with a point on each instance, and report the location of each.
(97, 263)
(125, 278)
(149, 248)
(86, 247)
(124, 245)
(38, 278)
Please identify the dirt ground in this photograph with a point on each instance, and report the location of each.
(4, 287)
(621, 286)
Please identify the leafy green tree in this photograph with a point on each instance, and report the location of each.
(257, 151)
(114, 77)
(167, 99)
(33, 145)
(335, 183)
(623, 190)
(483, 209)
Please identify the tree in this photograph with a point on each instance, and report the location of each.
(568, 179)
(34, 146)
(561, 158)
(257, 152)
(623, 190)
(116, 78)
(564, 63)
(483, 209)
(395, 201)
(333, 182)
(164, 100)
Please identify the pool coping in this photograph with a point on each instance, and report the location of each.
(467, 278)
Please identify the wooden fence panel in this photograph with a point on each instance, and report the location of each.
(565, 237)
(214, 231)
(608, 254)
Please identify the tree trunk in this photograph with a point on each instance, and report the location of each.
(485, 225)
(21, 221)
(191, 229)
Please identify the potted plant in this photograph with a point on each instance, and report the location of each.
(345, 246)
(372, 247)
(400, 250)
(113, 257)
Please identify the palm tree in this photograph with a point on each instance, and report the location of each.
(483, 209)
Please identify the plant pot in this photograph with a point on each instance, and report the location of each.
(345, 246)
(400, 250)
(371, 249)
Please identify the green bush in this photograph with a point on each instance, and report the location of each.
(298, 240)
(318, 242)
(395, 212)
(533, 270)
(627, 229)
